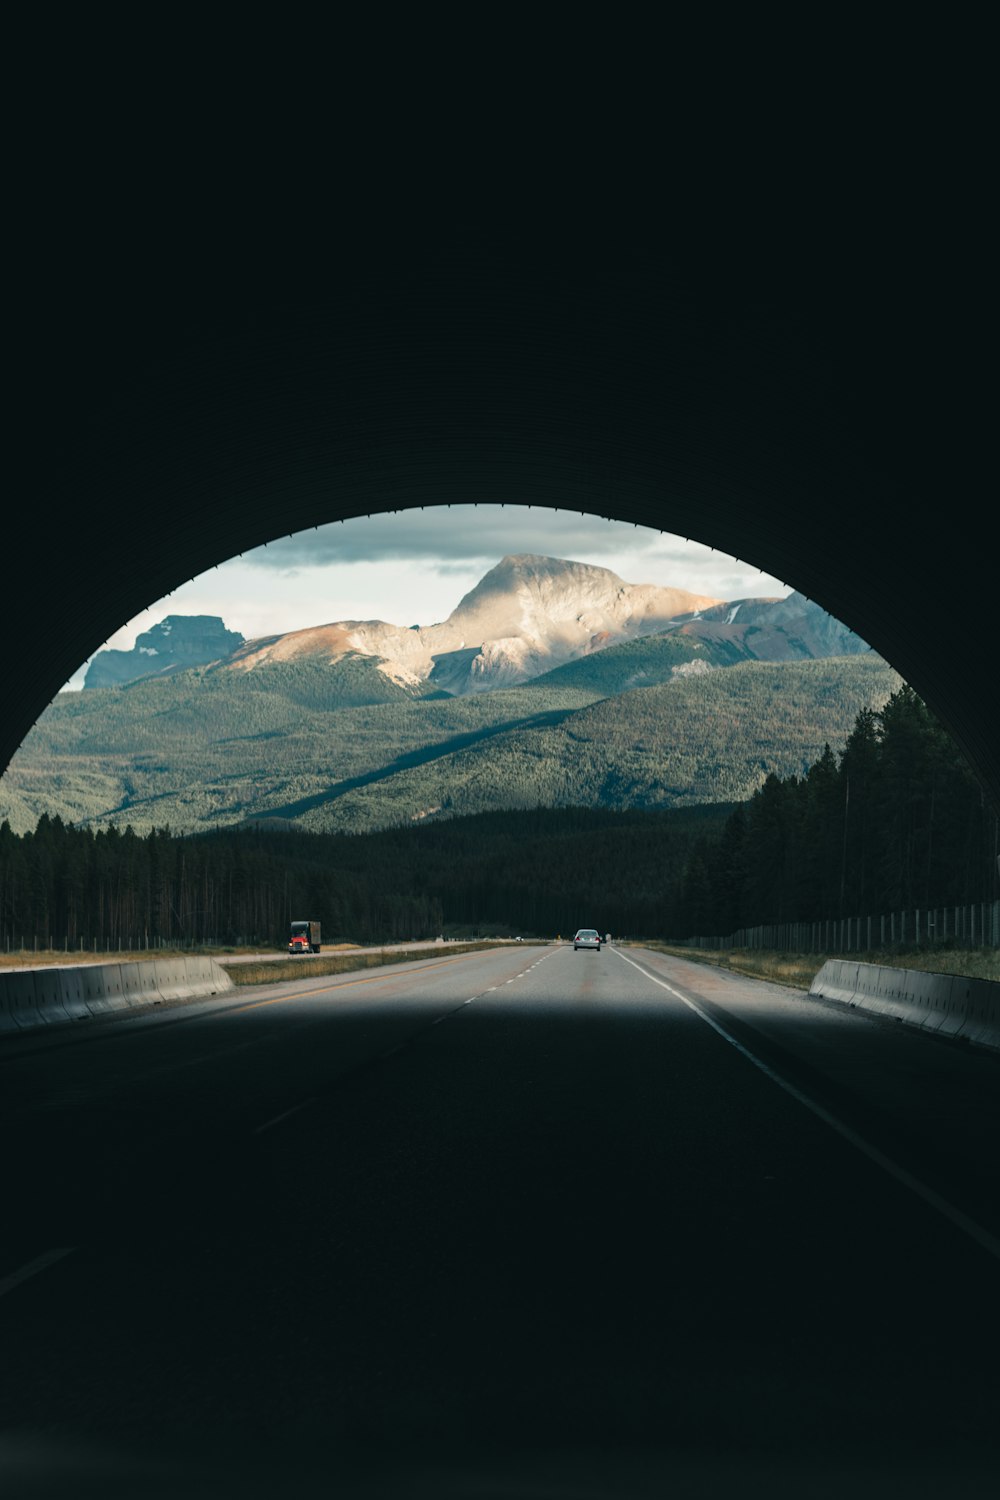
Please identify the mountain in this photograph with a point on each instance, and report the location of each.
(526, 616)
(694, 741)
(551, 683)
(792, 629)
(177, 642)
(772, 630)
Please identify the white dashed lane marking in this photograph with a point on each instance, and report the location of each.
(32, 1268)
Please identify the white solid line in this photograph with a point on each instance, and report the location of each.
(41, 1263)
(259, 1129)
(961, 1220)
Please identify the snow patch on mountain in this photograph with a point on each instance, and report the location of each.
(692, 669)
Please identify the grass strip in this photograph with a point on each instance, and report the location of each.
(798, 970)
(341, 963)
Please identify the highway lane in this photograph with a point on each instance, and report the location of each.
(611, 1223)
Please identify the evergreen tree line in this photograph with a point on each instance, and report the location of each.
(539, 872)
(896, 823)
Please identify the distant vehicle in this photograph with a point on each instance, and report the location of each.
(587, 937)
(304, 937)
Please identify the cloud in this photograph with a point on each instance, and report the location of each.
(451, 534)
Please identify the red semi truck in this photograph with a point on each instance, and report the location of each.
(304, 937)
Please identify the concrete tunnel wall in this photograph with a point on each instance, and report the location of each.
(805, 423)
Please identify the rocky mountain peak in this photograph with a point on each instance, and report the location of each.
(176, 642)
(523, 585)
(529, 570)
(526, 616)
(569, 604)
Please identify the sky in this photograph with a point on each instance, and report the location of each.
(413, 567)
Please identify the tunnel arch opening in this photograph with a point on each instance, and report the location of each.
(132, 812)
(342, 798)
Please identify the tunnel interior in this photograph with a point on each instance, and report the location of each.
(780, 418)
(804, 388)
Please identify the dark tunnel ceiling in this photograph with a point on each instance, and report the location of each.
(805, 415)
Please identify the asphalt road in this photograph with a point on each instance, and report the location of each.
(525, 1222)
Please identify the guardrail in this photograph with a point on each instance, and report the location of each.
(949, 1004)
(54, 995)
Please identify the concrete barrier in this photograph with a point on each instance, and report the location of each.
(49, 996)
(102, 988)
(948, 1004)
(839, 980)
(40, 997)
(171, 978)
(20, 1006)
(52, 995)
(206, 977)
(138, 982)
(980, 999)
(74, 1003)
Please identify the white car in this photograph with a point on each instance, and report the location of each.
(587, 937)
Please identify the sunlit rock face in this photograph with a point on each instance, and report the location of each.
(176, 642)
(792, 629)
(526, 616)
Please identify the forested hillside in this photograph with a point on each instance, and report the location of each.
(205, 748)
(891, 820)
(340, 747)
(711, 738)
(642, 663)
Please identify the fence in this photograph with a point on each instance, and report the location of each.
(973, 926)
(127, 943)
